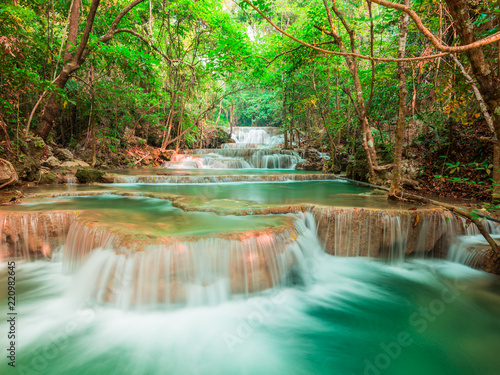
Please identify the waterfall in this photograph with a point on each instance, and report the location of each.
(33, 235)
(254, 148)
(236, 158)
(245, 136)
(471, 248)
(388, 234)
(345, 232)
(205, 271)
(175, 179)
(81, 240)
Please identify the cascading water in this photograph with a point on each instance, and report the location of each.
(187, 179)
(254, 148)
(33, 235)
(324, 315)
(261, 298)
(191, 273)
(267, 137)
(397, 234)
(471, 249)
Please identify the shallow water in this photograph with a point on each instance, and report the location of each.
(359, 316)
(330, 193)
(149, 216)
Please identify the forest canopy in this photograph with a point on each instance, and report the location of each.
(373, 83)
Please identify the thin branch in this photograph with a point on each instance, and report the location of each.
(35, 108)
(479, 97)
(285, 52)
(147, 41)
(112, 30)
(372, 38)
(383, 59)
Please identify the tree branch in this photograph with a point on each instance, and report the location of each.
(112, 30)
(435, 41)
(285, 52)
(383, 59)
(479, 97)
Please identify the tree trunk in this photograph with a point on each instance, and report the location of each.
(395, 189)
(74, 22)
(51, 110)
(74, 60)
(358, 101)
(488, 82)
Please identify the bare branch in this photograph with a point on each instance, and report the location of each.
(435, 41)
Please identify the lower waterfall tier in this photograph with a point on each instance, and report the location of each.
(132, 224)
(357, 316)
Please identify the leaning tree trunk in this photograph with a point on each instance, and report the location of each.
(76, 59)
(395, 189)
(53, 105)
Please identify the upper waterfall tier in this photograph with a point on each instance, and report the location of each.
(254, 137)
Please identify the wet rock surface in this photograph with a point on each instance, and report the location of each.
(313, 161)
(85, 176)
(387, 233)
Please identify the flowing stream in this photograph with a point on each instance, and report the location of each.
(244, 271)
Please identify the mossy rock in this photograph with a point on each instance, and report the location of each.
(28, 165)
(85, 176)
(48, 178)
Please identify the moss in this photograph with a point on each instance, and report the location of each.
(89, 175)
(48, 178)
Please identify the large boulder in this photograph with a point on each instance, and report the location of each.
(64, 154)
(89, 175)
(48, 177)
(74, 164)
(314, 162)
(51, 162)
(81, 163)
(8, 174)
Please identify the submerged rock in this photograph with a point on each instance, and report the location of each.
(85, 176)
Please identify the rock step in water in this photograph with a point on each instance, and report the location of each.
(391, 234)
(396, 234)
